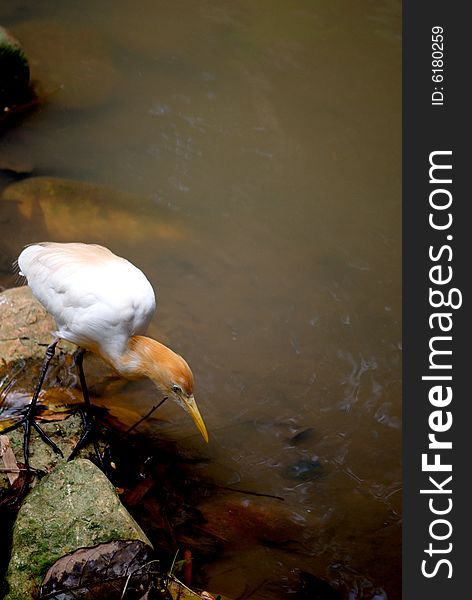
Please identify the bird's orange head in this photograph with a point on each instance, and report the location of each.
(169, 372)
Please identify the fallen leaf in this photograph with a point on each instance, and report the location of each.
(9, 460)
(113, 570)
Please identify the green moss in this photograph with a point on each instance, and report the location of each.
(74, 507)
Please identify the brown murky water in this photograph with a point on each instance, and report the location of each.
(268, 135)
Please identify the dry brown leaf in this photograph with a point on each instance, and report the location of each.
(9, 460)
(103, 571)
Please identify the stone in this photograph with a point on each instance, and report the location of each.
(64, 433)
(14, 67)
(75, 506)
(25, 329)
(67, 210)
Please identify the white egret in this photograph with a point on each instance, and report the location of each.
(102, 303)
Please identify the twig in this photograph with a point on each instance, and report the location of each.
(146, 416)
(173, 563)
(230, 489)
(250, 493)
(140, 568)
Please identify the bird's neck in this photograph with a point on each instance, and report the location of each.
(143, 357)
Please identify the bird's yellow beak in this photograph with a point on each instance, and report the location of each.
(192, 408)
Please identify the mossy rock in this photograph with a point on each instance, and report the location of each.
(14, 70)
(74, 507)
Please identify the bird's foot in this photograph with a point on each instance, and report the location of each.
(88, 435)
(27, 422)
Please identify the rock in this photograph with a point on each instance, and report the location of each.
(71, 63)
(64, 433)
(14, 81)
(302, 436)
(304, 470)
(68, 210)
(73, 507)
(247, 520)
(25, 329)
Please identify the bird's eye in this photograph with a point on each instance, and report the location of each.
(177, 389)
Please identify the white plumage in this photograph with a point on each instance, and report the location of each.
(103, 303)
(98, 300)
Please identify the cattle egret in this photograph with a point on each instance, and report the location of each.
(102, 303)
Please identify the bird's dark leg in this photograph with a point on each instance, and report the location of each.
(86, 414)
(28, 420)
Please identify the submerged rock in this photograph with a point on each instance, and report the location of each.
(303, 436)
(304, 470)
(246, 520)
(75, 506)
(14, 69)
(65, 210)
